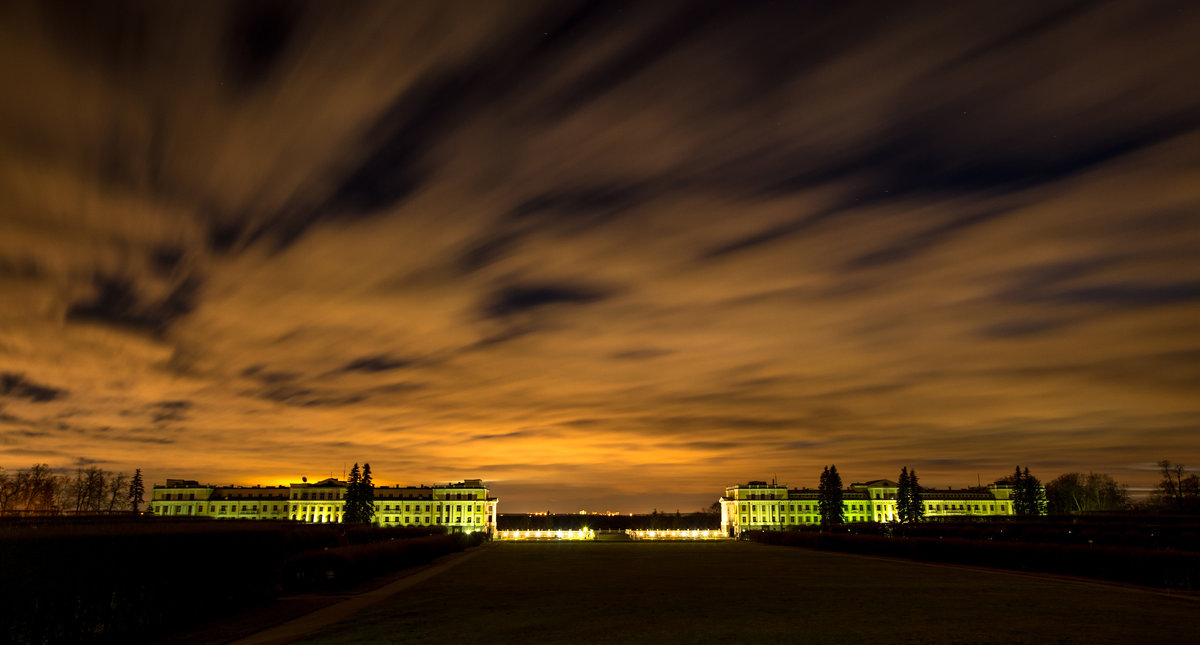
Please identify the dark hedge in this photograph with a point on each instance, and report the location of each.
(135, 581)
(1166, 568)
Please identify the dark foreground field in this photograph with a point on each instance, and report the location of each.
(737, 592)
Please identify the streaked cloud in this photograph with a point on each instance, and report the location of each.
(599, 252)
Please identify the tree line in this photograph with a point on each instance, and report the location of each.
(38, 490)
(1028, 496)
(1177, 492)
(1069, 493)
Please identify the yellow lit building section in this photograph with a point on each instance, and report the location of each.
(759, 506)
(462, 508)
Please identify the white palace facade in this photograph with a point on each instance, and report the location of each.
(462, 508)
(759, 506)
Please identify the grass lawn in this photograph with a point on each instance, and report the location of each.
(737, 592)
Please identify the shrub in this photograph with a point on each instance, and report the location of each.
(122, 581)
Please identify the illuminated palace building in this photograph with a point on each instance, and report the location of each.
(462, 508)
(761, 506)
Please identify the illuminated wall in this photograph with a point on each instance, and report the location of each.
(462, 508)
(771, 507)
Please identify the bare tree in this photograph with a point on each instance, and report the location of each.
(1170, 489)
(6, 492)
(118, 491)
(1079, 493)
(88, 490)
(34, 489)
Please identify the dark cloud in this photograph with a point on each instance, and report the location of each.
(16, 385)
(116, 301)
(912, 245)
(381, 363)
(516, 299)
(164, 411)
(642, 354)
(258, 36)
(23, 268)
(1022, 327)
(507, 435)
(707, 445)
(263, 375)
(773, 233)
(1116, 295)
(165, 258)
(579, 208)
(306, 397)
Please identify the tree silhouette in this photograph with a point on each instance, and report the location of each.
(1079, 493)
(137, 491)
(903, 497)
(916, 501)
(829, 500)
(1028, 497)
(366, 496)
(352, 507)
(1035, 496)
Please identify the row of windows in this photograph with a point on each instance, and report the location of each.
(305, 496)
(408, 508)
(315, 495)
(930, 506)
(803, 519)
(457, 509)
(339, 494)
(933, 508)
(389, 519)
(316, 514)
(224, 508)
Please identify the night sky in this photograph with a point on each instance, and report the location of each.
(604, 256)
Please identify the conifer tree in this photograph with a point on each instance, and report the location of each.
(1032, 494)
(137, 491)
(1020, 505)
(352, 507)
(829, 501)
(366, 496)
(916, 501)
(903, 497)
